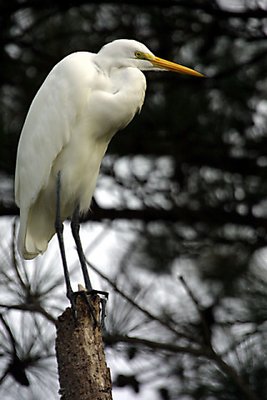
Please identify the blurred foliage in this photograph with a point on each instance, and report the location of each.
(192, 165)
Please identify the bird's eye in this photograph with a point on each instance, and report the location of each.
(138, 54)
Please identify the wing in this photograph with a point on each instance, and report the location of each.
(48, 128)
(48, 125)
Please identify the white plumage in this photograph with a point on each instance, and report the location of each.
(83, 102)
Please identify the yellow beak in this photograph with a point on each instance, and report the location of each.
(171, 66)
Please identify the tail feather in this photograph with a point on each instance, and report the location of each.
(36, 230)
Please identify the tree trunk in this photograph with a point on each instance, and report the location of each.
(83, 373)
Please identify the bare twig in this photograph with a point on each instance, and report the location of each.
(83, 373)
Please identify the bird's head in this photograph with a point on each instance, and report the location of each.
(130, 53)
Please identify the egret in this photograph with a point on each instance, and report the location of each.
(83, 102)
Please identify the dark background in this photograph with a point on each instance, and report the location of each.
(189, 176)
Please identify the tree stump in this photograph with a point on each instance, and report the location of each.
(82, 368)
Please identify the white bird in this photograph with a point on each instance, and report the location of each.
(83, 102)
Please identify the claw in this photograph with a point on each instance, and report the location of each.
(103, 301)
(86, 295)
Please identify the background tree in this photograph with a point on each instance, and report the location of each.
(182, 192)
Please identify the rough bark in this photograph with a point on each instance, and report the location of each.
(83, 372)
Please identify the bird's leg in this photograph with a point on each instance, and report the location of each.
(59, 230)
(75, 228)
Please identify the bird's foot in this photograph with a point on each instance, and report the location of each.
(87, 296)
(103, 302)
(103, 296)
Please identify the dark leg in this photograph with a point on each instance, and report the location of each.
(59, 230)
(75, 228)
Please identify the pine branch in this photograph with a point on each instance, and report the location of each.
(152, 344)
(151, 316)
(214, 355)
(209, 215)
